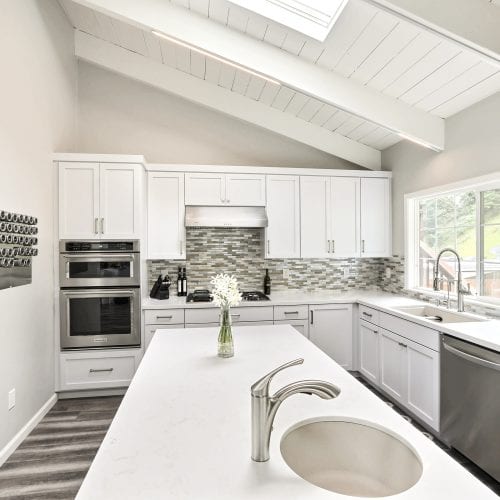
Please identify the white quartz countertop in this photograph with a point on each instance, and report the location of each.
(484, 333)
(183, 429)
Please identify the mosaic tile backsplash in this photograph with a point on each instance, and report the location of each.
(239, 252)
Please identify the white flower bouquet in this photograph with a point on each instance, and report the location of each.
(226, 295)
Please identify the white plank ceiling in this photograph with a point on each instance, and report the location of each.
(368, 45)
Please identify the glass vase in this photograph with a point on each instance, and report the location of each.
(225, 341)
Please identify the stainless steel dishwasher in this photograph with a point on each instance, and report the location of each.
(470, 402)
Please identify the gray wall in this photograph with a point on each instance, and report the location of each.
(38, 113)
(472, 149)
(119, 115)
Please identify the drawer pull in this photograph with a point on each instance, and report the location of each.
(164, 317)
(98, 370)
(402, 345)
(368, 315)
(291, 312)
(235, 315)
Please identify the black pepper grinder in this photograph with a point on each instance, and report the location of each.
(267, 283)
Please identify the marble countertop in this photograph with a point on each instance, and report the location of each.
(183, 428)
(484, 333)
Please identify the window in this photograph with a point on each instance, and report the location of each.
(314, 18)
(465, 219)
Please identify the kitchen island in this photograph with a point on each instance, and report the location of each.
(183, 429)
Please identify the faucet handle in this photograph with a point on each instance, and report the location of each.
(261, 387)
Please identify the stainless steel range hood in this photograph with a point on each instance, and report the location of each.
(197, 216)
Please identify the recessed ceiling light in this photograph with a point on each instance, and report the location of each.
(314, 18)
(213, 56)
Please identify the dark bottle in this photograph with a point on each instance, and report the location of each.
(184, 283)
(267, 283)
(179, 282)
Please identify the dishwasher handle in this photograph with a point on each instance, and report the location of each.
(473, 359)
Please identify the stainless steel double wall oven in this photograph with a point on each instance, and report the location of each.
(100, 294)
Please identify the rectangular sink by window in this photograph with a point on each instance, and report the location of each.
(438, 315)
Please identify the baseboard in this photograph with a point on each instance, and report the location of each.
(12, 445)
(92, 393)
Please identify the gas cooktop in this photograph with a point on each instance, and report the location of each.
(254, 296)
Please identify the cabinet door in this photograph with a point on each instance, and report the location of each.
(423, 383)
(314, 216)
(301, 325)
(205, 189)
(283, 212)
(330, 329)
(345, 217)
(369, 351)
(375, 217)
(120, 200)
(166, 230)
(245, 190)
(78, 200)
(393, 365)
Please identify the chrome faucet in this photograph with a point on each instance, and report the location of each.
(264, 407)
(461, 291)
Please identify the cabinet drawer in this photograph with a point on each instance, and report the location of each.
(238, 314)
(164, 316)
(420, 334)
(369, 314)
(290, 312)
(95, 371)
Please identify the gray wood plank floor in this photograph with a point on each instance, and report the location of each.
(52, 461)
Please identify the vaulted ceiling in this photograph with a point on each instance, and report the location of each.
(377, 78)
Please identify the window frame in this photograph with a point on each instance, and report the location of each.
(411, 232)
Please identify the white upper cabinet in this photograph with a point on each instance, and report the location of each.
(375, 217)
(345, 217)
(282, 235)
(215, 189)
(120, 209)
(205, 189)
(166, 230)
(99, 200)
(314, 216)
(245, 190)
(78, 200)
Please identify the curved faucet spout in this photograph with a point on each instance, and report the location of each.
(264, 407)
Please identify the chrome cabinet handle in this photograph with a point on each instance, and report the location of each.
(362, 246)
(235, 315)
(312, 317)
(402, 345)
(98, 370)
(96, 223)
(180, 246)
(102, 225)
(291, 312)
(333, 246)
(268, 246)
(368, 315)
(164, 317)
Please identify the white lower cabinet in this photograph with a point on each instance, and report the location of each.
(405, 370)
(393, 365)
(369, 364)
(330, 328)
(301, 325)
(423, 383)
(98, 369)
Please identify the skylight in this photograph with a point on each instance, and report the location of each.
(314, 18)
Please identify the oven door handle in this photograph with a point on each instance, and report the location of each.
(99, 293)
(103, 258)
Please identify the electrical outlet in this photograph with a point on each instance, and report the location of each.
(12, 399)
(286, 273)
(388, 272)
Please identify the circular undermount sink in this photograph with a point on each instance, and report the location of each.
(350, 457)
